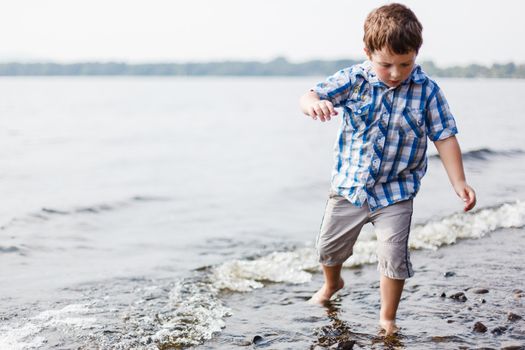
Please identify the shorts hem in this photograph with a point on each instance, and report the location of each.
(394, 276)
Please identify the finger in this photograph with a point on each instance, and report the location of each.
(312, 113)
(326, 110)
(471, 199)
(470, 205)
(332, 109)
(320, 113)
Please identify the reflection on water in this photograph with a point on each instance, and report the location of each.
(339, 333)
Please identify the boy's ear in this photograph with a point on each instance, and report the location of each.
(368, 53)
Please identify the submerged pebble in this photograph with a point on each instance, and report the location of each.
(479, 290)
(512, 347)
(346, 345)
(480, 327)
(513, 317)
(498, 330)
(460, 296)
(257, 340)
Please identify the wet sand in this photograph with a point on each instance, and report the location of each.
(487, 271)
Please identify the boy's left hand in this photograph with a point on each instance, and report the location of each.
(467, 194)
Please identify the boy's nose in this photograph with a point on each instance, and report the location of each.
(395, 74)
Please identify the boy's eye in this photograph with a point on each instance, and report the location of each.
(386, 65)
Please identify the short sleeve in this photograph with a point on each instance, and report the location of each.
(439, 120)
(336, 88)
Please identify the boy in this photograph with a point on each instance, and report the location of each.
(390, 108)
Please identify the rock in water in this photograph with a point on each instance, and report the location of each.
(460, 296)
(346, 345)
(499, 330)
(511, 346)
(480, 291)
(257, 340)
(449, 274)
(480, 327)
(513, 317)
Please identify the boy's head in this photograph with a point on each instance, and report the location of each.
(394, 27)
(392, 40)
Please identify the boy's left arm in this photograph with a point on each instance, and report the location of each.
(450, 155)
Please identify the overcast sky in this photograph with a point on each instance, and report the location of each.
(455, 31)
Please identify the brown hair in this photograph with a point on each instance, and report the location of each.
(394, 26)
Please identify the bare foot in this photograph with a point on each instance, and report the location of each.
(324, 294)
(389, 326)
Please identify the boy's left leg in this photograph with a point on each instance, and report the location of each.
(392, 226)
(391, 290)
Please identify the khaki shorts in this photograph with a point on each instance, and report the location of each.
(342, 223)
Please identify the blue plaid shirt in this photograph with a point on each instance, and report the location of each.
(380, 152)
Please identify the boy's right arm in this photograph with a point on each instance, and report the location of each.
(314, 107)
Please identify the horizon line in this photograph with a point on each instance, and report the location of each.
(233, 60)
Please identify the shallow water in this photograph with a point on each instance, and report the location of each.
(427, 319)
(171, 213)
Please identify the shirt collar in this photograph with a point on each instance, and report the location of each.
(417, 75)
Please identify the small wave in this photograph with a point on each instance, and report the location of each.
(47, 213)
(244, 275)
(296, 266)
(11, 249)
(486, 153)
(448, 230)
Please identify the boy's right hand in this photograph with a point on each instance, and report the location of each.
(322, 109)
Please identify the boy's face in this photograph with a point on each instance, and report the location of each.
(391, 68)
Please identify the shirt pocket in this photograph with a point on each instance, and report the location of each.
(358, 114)
(412, 122)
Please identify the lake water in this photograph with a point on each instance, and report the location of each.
(158, 213)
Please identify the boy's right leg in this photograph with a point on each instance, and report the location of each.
(341, 224)
(332, 283)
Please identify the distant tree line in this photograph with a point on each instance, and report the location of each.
(280, 66)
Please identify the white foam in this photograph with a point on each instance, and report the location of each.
(24, 337)
(244, 275)
(448, 230)
(17, 338)
(198, 314)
